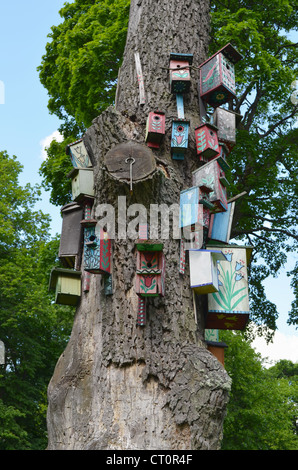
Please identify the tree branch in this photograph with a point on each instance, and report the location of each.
(281, 121)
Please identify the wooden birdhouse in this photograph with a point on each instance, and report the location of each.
(229, 308)
(155, 128)
(221, 224)
(226, 122)
(71, 240)
(206, 142)
(67, 286)
(179, 72)
(212, 175)
(195, 207)
(150, 279)
(97, 248)
(217, 348)
(203, 270)
(82, 181)
(217, 76)
(179, 141)
(78, 154)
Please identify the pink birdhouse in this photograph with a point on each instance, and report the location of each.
(155, 129)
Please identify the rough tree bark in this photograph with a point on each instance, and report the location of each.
(118, 385)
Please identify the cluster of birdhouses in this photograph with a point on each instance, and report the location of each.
(218, 269)
(84, 248)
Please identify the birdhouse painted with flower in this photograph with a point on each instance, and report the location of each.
(212, 175)
(203, 270)
(70, 249)
(195, 207)
(206, 141)
(150, 279)
(217, 76)
(228, 309)
(67, 286)
(155, 129)
(78, 154)
(180, 73)
(179, 140)
(226, 123)
(82, 182)
(97, 248)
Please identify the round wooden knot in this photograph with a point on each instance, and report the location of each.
(118, 160)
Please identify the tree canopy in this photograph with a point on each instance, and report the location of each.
(79, 70)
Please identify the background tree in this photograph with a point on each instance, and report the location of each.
(263, 162)
(262, 411)
(34, 330)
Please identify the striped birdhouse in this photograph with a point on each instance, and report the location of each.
(155, 128)
(78, 154)
(203, 270)
(206, 141)
(179, 140)
(150, 279)
(67, 286)
(217, 76)
(97, 249)
(212, 175)
(179, 72)
(228, 309)
(70, 249)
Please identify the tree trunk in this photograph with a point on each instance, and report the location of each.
(119, 385)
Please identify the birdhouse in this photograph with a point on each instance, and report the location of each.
(155, 128)
(195, 207)
(203, 270)
(217, 76)
(78, 154)
(226, 122)
(150, 280)
(206, 141)
(217, 348)
(221, 224)
(97, 248)
(211, 175)
(229, 308)
(179, 141)
(67, 286)
(71, 240)
(82, 182)
(179, 72)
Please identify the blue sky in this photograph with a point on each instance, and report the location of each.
(25, 125)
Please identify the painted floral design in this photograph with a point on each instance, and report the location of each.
(227, 296)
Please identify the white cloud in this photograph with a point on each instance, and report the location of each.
(283, 347)
(44, 143)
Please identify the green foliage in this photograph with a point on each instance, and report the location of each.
(33, 329)
(262, 410)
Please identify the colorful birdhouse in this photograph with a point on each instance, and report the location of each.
(217, 76)
(212, 175)
(206, 141)
(221, 224)
(97, 248)
(67, 286)
(155, 128)
(78, 154)
(179, 141)
(82, 181)
(203, 270)
(226, 123)
(179, 72)
(71, 240)
(150, 280)
(229, 308)
(195, 207)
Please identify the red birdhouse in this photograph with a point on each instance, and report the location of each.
(150, 281)
(206, 141)
(155, 129)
